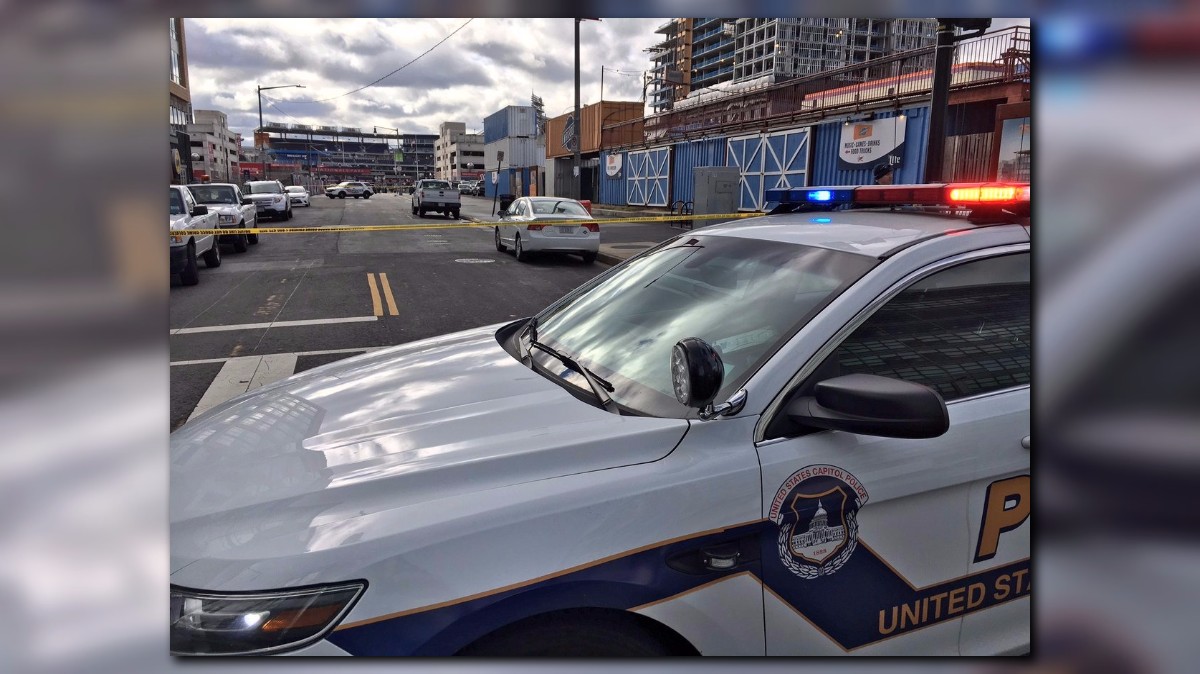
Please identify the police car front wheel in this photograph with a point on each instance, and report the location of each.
(584, 635)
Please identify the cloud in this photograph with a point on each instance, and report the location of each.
(489, 64)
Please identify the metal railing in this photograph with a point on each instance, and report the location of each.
(995, 58)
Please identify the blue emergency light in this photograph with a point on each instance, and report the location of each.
(818, 197)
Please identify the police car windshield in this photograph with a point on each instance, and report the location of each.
(746, 297)
(176, 203)
(214, 195)
(264, 188)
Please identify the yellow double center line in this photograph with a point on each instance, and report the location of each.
(376, 302)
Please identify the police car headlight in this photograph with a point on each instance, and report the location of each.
(244, 623)
(227, 219)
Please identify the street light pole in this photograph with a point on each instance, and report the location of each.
(258, 136)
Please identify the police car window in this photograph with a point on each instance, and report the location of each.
(962, 331)
(746, 297)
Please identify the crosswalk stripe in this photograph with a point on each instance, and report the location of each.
(243, 374)
(320, 352)
(273, 324)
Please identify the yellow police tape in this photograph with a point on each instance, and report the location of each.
(401, 228)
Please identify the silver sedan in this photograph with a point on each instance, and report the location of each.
(531, 225)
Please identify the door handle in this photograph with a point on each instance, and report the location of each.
(1025, 442)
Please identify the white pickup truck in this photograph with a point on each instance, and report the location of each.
(187, 215)
(436, 196)
(234, 211)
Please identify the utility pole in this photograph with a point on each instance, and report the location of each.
(601, 84)
(578, 193)
(578, 130)
(943, 64)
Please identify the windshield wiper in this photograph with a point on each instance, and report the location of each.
(599, 386)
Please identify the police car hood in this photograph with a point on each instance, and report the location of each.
(381, 432)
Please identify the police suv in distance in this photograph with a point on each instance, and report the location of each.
(349, 189)
(800, 434)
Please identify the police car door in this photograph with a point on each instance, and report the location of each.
(865, 548)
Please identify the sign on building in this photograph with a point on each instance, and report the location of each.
(868, 143)
(612, 165)
(569, 137)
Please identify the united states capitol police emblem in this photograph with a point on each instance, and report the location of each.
(816, 510)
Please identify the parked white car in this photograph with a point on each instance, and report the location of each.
(801, 434)
(270, 199)
(233, 209)
(297, 195)
(188, 215)
(529, 225)
(349, 188)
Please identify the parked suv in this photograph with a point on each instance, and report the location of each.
(269, 199)
(349, 189)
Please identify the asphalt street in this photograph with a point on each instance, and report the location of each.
(295, 301)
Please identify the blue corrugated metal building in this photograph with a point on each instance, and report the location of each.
(689, 155)
(823, 169)
(514, 181)
(516, 121)
(612, 189)
(828, 138)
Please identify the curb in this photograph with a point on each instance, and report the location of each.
(610, 260)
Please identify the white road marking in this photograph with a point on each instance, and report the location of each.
(240, 375)
(272, 368)
(273, 324)
(233, 380)
(323, 352)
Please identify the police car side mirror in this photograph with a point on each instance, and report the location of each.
(247, 201)
(868, 404)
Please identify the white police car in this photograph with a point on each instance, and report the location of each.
(801, 434)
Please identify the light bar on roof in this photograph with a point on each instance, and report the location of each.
(814, 195)
(953, 194)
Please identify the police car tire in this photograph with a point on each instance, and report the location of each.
(499, 246)
(567, 635)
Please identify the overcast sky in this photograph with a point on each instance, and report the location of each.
(489, 64)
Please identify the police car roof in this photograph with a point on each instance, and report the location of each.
(874, 233)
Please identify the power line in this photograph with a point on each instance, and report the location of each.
(322, 100)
